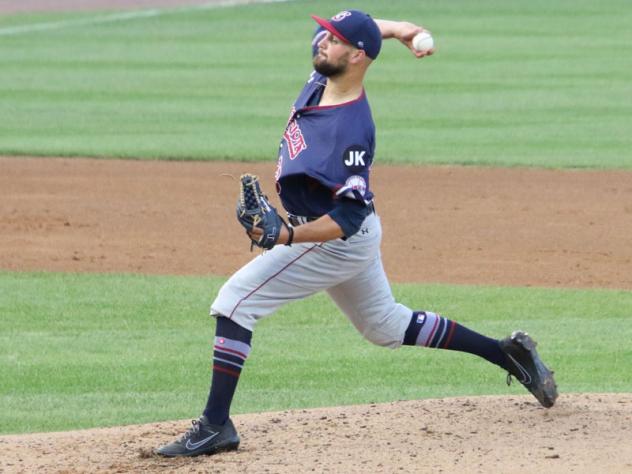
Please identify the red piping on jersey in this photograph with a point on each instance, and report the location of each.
(323, 107)
(269, 279)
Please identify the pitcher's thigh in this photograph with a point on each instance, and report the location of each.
(280, 276)
(262, 285)
(369, 304)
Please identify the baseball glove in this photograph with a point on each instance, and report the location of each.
(254, 210)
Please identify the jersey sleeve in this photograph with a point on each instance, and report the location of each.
(349, 155)
(354, 162)
(349, 215)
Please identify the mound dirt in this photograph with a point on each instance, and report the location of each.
(583, 433)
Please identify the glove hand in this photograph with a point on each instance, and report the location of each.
(256, 233)
(262, 222)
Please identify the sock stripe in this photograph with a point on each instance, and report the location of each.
(228, 352)
(433, 340)
(450, 334)
(238, 347)
(218, 359)
(226, 371)
(429, 330)
(432, 331)
(443, 326)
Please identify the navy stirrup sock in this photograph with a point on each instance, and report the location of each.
(232, 346)
(431, 330)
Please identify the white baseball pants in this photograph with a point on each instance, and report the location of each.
(349, 270)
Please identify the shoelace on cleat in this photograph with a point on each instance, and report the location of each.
(195, 428)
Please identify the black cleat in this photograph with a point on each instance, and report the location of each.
(524, 363)
(203, 438)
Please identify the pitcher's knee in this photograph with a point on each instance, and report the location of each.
(379, 337)
(386, 328)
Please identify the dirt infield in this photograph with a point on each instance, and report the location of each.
(470, 225)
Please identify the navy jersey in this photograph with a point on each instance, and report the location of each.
(325, 153)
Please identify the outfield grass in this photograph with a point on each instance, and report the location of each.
(99, 350)
(535, 83)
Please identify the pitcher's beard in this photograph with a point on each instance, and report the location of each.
(327, 69)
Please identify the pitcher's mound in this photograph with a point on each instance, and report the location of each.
(582, 433)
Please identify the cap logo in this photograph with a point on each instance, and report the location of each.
(360, 44)
(341, 16)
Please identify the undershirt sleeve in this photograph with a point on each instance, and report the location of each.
(349, 215)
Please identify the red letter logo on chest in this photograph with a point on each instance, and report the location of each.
(294, 139)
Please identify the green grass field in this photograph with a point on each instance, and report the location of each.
(100, 350)
(513, 83)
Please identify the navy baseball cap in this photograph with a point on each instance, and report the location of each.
(355, 28)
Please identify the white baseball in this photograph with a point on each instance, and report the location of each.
(423, 41)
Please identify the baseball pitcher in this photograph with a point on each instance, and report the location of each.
(331, 238)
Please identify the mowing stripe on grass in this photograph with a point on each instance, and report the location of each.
(126, 16)
(180, 86)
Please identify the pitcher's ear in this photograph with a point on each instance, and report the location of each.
(358, 56)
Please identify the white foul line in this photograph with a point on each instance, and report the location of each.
(116, 17)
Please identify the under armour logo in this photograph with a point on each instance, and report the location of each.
(364, 231)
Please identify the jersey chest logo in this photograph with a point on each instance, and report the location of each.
(294, 139)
